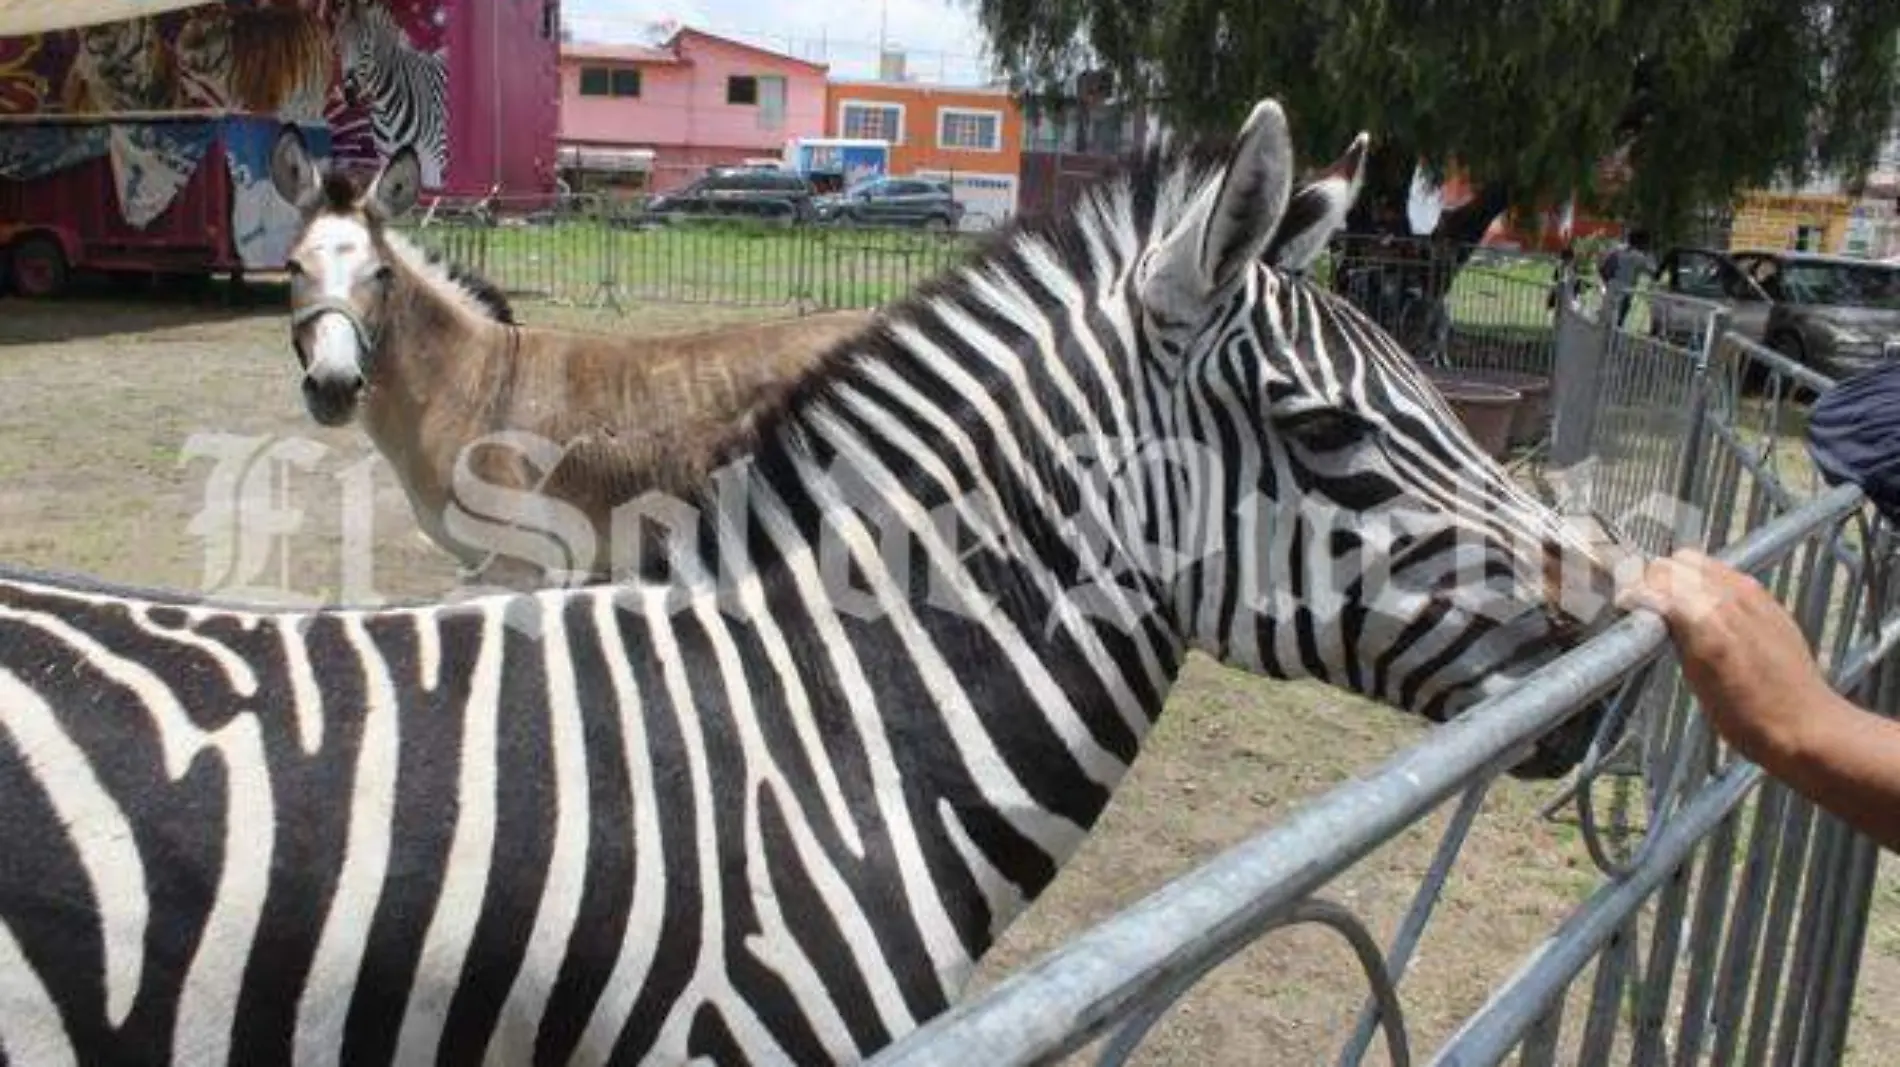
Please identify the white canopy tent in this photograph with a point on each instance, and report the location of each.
(21, 17)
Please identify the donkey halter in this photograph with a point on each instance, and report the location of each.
(366, 338)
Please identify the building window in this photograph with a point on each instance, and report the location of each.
(969, 130)
(867, 121)
(610, 81)
(742, 89)
(771, 102)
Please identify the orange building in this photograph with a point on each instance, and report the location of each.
(970, 137)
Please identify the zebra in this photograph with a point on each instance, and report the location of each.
(773, 806)
(404, 90)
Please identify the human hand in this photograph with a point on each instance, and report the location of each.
(1742, 654)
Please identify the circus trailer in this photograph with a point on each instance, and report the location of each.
(135, 135)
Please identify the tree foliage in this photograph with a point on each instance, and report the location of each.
(1700, 98)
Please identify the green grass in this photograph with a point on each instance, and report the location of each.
(1506, 299)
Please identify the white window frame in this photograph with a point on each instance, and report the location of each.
(847, 104)
(943, 113)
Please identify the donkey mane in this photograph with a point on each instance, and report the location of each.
(486, 293)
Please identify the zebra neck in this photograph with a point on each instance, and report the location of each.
(1000, 661)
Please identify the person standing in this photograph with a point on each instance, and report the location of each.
(1623, 269)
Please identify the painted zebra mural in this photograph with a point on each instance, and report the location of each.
(403, 89)
(773, 808)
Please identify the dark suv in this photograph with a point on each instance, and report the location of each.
(893, 202)
(738, 193)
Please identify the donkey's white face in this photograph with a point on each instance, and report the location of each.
(340, 272)
(335, 264)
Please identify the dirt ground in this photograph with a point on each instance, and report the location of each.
(113, 414)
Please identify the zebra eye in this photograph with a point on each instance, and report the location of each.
(1323, 429)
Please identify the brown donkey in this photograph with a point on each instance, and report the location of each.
(515, 445)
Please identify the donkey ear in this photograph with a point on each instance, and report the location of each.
(1319, 209)
(395, 190)
(292, 172)
(1228, 228)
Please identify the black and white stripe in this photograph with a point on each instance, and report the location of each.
(773, 810)
(404, 90)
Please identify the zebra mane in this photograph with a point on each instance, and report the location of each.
(1155, 185)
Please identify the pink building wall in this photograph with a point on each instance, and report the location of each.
(681, 112)
(658, 116)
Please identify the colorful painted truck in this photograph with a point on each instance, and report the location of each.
(142, 144)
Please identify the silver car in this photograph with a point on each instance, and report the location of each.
(1838, 315)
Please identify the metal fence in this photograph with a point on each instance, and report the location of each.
(1729, 920)
(1468, 308)
(610, 256)
(1486, 311)
(1626, 401)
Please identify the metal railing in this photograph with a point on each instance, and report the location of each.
(1730, 916)
(592, 252)
(1465, 308)
(1493, 313)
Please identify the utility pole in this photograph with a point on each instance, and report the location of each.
(883, 31)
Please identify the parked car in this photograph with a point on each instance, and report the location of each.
(738, 193)
(1837, 315)
(893, 202)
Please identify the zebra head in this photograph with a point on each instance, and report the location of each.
(1323, 513)
(359, 31)
(341, 270)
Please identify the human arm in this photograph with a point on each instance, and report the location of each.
(1758, 684)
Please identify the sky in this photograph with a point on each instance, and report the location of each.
(940, 38)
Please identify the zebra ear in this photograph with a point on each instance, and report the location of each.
(1228, 227)
(292, 172)
(396, 188)
(1319, 209)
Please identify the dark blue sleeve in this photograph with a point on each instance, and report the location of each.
(1854, 436)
